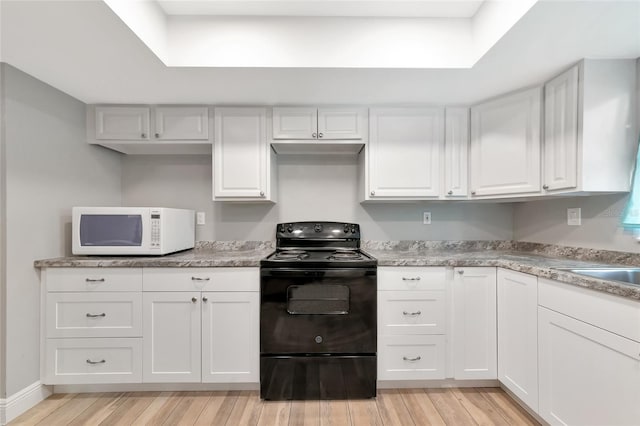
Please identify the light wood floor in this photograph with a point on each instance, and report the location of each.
(397, 407)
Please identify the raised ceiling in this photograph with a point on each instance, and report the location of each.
(86, 50)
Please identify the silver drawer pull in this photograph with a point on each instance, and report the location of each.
(411, 359)
(102, 361)
(200, 279)
(96, 315)
(411, 314)
(92, 280)
(411, 279)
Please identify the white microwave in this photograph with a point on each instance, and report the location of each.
(131, 230)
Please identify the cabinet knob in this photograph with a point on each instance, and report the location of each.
(143, 135)
(194, 300)
(200, 279)
(411, 314)
(93, 280)
(320, 135)
(373, 193)
(314, 135)
(473, 192)
(262, 193)
(450, 193)
(96, 315)
(461, 271)
(102, 361)
(157, 135)
(205, 299)
(411, 359)
(545, 187)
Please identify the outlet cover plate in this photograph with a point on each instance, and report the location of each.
(574, 217)
(426, 218)
(200, 218)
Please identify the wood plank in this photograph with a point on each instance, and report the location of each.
(189, 408)
(275, 413)
(133, 405)
(218, 408)
(507, 407)
(246, 411)
(392, 408)
(482, 411)
(43, 409)
(72, 409)
(159, 409)
(421, 408)
(364, 412)
(100, 409)
(450, 409)
(305, 413)
(334, 413)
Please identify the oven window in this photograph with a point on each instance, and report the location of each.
(318, 299)
(111, 230)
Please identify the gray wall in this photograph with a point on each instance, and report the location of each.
(49, 169)
(546, 222)
(3, 227)
(309, 188)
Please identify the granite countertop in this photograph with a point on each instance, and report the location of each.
(530, 258)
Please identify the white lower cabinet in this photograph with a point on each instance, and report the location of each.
(518, 335)
(230, 337)
(411, 323)
(174, 325)
(474, 340)
(171, 337)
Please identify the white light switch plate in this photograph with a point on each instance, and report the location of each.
(574, 217)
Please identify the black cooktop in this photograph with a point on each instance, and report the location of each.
(318, 245)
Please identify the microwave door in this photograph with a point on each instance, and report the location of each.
(112, 230)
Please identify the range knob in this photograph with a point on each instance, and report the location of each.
(317, 227)
(353, 229)
(290, 228)
(346, 228)
(281, 228)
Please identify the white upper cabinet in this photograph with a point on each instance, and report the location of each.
(150, 130)
(456, 152)
(590, 136)
(121, 123)
(242, 159)
(403, 156)
(505, 145)
(310, 130)
(182, 123)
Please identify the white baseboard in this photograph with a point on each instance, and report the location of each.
(21, 401)
(163, 387)
(446, 383)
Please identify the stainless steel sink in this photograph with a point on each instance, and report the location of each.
(627, 275)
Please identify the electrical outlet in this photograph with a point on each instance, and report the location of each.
(200, 218)
(574, 217)
(426, 218)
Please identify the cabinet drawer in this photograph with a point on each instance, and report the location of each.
(201, 279)
(94, 315)
(411, 312)
(77, 361)
(94, 279)
(411, 357)
(411, 278)
(612, 313)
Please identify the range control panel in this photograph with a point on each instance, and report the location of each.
(318, 231)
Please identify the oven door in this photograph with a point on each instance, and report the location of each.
(328, 311)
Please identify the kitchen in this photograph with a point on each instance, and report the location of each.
(49, 168)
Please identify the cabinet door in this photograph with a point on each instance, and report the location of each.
(122, 123)
(171, 332)
(561, 131)
(416, 357)
(456, 149)
(518, 335)
(230, 337)
(474, 323)
(182, 123)
(588, 376)
(404, 152)
(241, 154)
(505, 145)
(295, 123)
(341, 123)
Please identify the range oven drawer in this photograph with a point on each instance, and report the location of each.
(318, 311)
(317, 377)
